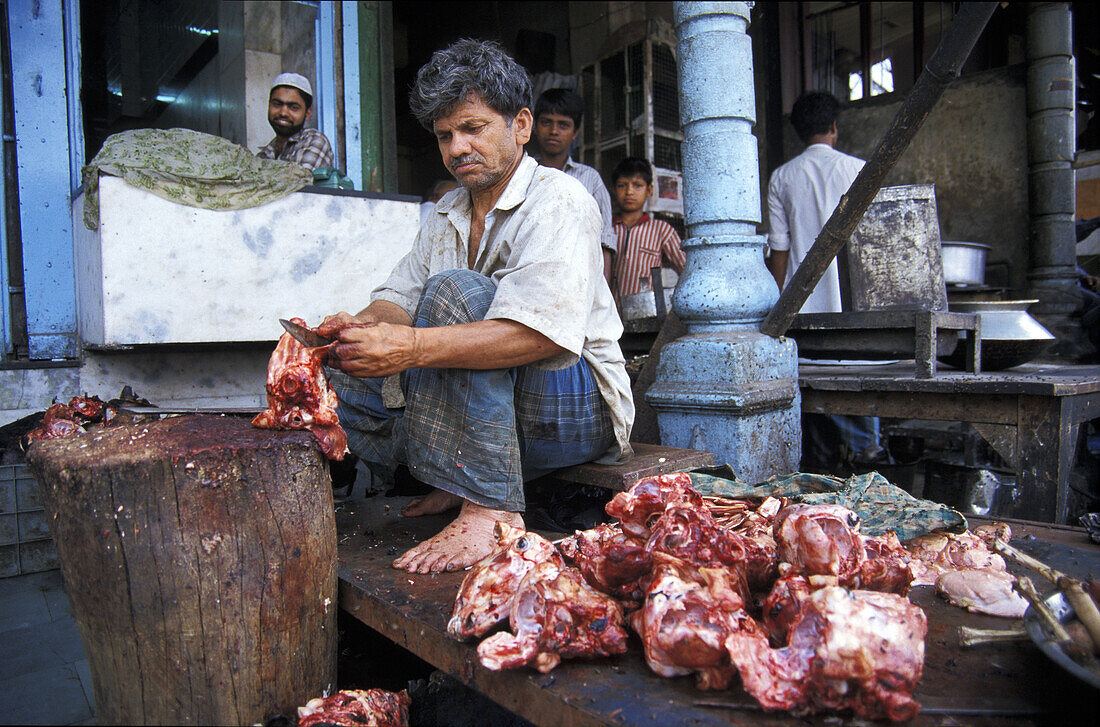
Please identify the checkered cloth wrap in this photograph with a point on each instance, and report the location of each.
(880, 505)
(476, 434)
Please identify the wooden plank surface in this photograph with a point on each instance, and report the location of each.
(998, 684)
(1033, 379)
(648, 460)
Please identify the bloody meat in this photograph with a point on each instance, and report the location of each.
(298, 395)
(357, 708)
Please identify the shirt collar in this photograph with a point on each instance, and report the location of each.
(618, 220)
(513, 194)
(819, 145)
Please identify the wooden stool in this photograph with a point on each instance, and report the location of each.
(648, 460)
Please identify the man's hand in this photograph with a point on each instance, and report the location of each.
(337, 322)
(373, 349)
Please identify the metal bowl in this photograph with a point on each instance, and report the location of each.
(1063, 611)
(1010, 336)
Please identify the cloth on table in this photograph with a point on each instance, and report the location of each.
(191, 168)
(880, 505)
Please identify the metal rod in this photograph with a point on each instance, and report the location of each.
(942, 68)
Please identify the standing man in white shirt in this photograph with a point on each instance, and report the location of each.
(802, 195)
(558, 114)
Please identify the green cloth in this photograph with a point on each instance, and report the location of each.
(191, 168)
(880, 505)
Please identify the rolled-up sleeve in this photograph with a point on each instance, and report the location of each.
(549, 281)
(405, 283)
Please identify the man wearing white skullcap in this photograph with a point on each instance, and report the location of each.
(289, 106)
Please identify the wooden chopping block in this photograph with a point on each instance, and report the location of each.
(199, 555)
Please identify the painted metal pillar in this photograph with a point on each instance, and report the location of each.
(1051, 102)
(725, 387)
(368, 76)
(42, 137)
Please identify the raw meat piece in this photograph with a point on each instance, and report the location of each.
(612, 561)
(818, 540)
(555, 615)
(982, 591)
(939, 552)
(690, 534)
(824, 540)
(783, 606)
(58, 421)
(647, 498)
(887, 566)
(857, 650)
(298, 396)
(486, 594)
(357, 708)
(688, 614)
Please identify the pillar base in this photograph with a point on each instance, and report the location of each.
(735, 394)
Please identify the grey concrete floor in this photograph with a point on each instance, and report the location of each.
(41, 654)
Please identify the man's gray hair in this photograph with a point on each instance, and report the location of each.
(467, 65)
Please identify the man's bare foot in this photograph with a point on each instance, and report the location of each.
(469, 538)
(433, 503)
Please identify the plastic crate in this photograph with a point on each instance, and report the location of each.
(25, 542)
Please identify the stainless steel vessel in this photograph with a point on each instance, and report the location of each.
(964, 262)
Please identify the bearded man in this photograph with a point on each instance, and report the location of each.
(289, 107)
(499, 322)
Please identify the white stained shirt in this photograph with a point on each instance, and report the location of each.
(541, 248)
(802, 195)
(425, 210)
(592, 181)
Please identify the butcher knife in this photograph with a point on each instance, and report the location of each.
(303, 335)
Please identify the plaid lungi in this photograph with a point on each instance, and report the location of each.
(478, 434)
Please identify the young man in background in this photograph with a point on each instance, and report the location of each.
(558, 114)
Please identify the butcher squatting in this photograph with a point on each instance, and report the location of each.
(791, 600)
(299, 397)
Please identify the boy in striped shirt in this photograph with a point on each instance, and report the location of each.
(643, 241)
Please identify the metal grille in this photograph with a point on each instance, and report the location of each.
(666, 153)
(635, 64)
(666, 99)
(588, 89)
(612, 86)
(610, 157)
(633, 104)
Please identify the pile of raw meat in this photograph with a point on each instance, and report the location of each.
(808, 613)
(357, 708)
(298, 395)
(61, 420)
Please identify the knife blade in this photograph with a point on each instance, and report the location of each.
(303, 335)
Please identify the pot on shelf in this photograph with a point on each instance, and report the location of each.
(1010, 336)
(963, 262)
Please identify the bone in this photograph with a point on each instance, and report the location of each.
(1072, 588)
(1027, 589)
(971, 637)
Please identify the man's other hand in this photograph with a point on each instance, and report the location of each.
(372, 349)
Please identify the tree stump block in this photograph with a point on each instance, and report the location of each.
(199, 555)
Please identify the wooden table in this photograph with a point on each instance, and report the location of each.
(999, 684)
(1030, 414)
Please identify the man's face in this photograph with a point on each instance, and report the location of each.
(632, 192)
(479, 145)
(555, 133)
(286, 111)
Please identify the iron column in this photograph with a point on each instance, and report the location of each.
(725, 387)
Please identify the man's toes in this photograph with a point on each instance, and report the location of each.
(412, 507)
